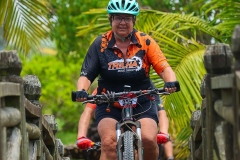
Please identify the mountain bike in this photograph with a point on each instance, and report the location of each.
(128, 131)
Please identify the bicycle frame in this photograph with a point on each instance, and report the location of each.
(126, 125)
(127, 140)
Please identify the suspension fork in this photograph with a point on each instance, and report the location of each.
(139, 142)
(119, 126)
(119, 141)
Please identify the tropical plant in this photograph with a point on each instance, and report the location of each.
(173, 6)
(25, 23)
(68, 15)
(223, 15)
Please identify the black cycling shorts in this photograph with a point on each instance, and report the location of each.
(147, 109)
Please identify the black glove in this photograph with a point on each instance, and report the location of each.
(81, 94)
(172, 85)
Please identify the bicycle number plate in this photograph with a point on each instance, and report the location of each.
(128, 101)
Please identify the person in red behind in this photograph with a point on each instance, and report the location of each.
(162, 137)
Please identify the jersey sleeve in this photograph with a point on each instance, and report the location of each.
(91, 65)
(93, 106)
(90, 105)
(156, 57)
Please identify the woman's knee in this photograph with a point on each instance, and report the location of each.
(149, 141)
(149, 133)
(108, 144)
(107, 133)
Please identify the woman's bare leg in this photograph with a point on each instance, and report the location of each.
(107, 133)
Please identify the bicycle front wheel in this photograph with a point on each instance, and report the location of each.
(128, 139)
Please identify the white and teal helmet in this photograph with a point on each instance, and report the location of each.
(123, 6)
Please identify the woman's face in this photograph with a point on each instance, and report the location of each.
(122, 24)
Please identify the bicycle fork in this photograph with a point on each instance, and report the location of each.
(137, 139)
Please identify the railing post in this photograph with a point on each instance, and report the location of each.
(32, 92)
(24, 132)
(220, 113)
(235, 45)
(10, 68)
(203, 118)
(217, 60)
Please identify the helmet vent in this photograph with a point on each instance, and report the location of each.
(128, 5)
(117, 5)
(132, 8)
(123, 2)
(112, 6)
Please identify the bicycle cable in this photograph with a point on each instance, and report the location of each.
(136, 115)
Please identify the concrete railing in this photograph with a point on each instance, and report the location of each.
(25, 133)
(216, 132)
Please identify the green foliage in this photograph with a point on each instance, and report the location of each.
(67, 137)
(68, 15)
(224, 15)
(25, 23)
(173, 6)
(58, 79)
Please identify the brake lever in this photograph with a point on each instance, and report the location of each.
(160, 93)
(89, 101)
(164, 93)
(96, 146)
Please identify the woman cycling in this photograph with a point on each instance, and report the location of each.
(123, 56)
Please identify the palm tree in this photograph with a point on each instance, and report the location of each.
(179, 38)
(24, 24)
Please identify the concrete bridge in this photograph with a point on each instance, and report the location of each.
(25, 133)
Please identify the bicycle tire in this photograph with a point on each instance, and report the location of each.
(128, 139)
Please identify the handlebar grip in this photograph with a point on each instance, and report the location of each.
(177, 86)
(73, 96)
(161, 90)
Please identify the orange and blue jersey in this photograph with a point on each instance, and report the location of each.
(104, 58)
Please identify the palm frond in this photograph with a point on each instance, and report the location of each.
(224, 16)
(185, 24)
(99, 24)
(152, 20)
(186, 58)
(187, 62)
(98, 27)
(26, 23)
(3, 6)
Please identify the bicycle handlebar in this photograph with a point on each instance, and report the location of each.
(104, 97)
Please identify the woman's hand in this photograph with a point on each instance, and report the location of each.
(172, 86)
(81, 95)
